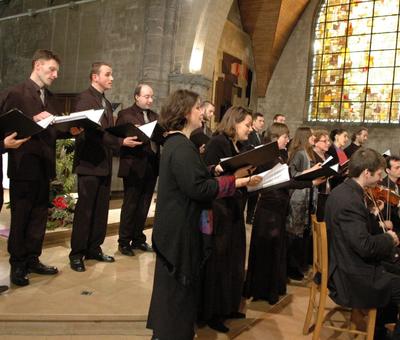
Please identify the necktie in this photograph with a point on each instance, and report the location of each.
(146, 117)
(42, 95)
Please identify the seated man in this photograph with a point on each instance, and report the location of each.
(356, 277)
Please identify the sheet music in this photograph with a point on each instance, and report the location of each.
(93, 115)
(277, 175)
(327, 160)
(44, 123)
(148, 128)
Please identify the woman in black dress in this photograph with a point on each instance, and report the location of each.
(224, 271)
(185, 192)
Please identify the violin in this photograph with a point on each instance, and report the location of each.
(384, 194)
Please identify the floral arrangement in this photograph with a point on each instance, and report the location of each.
(62, 203)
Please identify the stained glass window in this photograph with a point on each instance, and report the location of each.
(355, 74)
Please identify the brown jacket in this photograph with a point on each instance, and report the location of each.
(94, 148)
(135, 160)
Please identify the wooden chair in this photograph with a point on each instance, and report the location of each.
(360, 322)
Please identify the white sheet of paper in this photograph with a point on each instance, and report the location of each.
(277, 175)
(44, 123)
(148, 128)
(327, 160)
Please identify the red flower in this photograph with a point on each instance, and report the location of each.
(60, 202)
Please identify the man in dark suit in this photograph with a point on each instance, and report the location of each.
(9, 142)
(138, 168)
(30, 169)
(356, 277)
(358, 139)
(93, 165)
(202, 135)
(256, 137)
(391, 212)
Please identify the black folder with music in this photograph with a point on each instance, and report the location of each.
(15, 121)
(145, 133)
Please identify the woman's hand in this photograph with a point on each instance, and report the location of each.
(313, 168)
(218, 170)
(247, 181)
(244, 172)
(318, 181)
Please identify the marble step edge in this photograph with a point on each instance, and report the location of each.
(72, 317)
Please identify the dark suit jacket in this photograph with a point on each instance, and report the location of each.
(94, 148)
(352, 148)
(253, 139)
(135, 160)
(356, 278)
(35, 158)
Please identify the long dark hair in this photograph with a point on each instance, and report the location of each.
(301, 142)
(233, 116)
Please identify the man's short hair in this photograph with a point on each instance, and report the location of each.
(206, 103)
(278, 115)
(44, 55)
(391, 158)
(257, 114)
(95, 69)
(358, 132)
(365, 159)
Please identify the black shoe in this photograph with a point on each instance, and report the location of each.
(100, 257)
(143, 246)
(126, 250)
(3, 289)
(236, 315)
(18, 276)
(39, 268)
(218, 325)
(295, 274)
(77, 264)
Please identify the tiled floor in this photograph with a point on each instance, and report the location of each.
(116, 292)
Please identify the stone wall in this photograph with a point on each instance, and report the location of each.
(287, 89)
(110, 31)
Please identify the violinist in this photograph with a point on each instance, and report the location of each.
(357, 278)
(393, 175)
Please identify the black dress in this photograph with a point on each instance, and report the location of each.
(185, 189)
(222, 284)
(266, 273)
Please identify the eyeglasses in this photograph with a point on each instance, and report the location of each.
(148, 97)
(325, 141)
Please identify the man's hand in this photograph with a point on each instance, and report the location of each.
(41, 115)
(394, 236)
(74, 131)
(244, 172)
(202, 149)
(131, 142)
(11, 143)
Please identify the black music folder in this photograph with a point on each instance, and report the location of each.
(15, 121)
(265, 156)
(325, 171)
(145, 133)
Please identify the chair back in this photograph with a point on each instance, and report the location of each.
(320, 252)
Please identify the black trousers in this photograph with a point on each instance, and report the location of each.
(138, 193)
(29, 210)
(91, 212)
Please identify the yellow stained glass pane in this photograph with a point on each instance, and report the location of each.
(395, 112)
(314, 93)
(359, 43)
(317, 61)
(330, 93)
(397, 75)
(313, 111)
(360, 26)
(315, 77)
(337, 2)
(361, 10)
(380, 75)
(328, 111)
(386, 7)
(385, 24)
(396, 93)
(335, 29)
(381, 58)
(377, 112)
(384, 41)
(331, 77)
(333, 45)
(319, 31)
(352, 111)
(379, 93)
(332, 61)
(318, 46)
(337, 13)
(353, 93)
(357, 59)
(355, 76)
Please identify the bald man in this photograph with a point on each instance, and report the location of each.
(138, 168)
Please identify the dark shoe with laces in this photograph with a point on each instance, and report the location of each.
(218, 325)
(3, 289)
(126, 250)
(143, 246)
(77, 264)
(18, 276)
(101, 257)
(41, 269)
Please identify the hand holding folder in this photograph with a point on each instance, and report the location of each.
(145, 133)
(15, 121)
